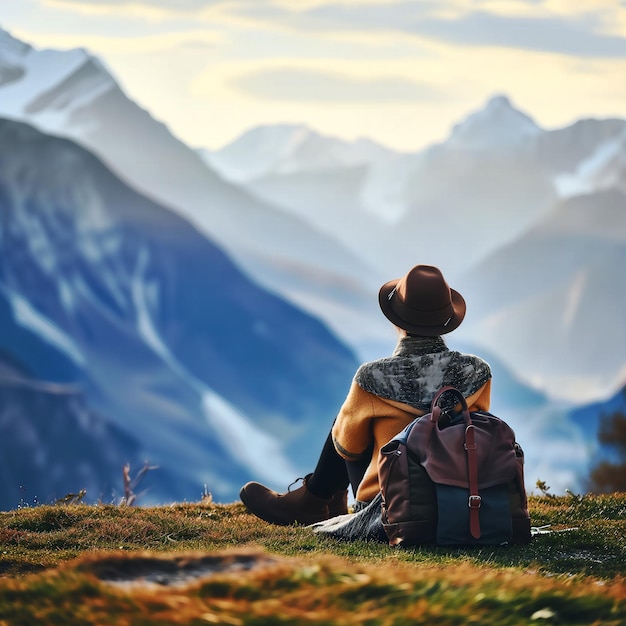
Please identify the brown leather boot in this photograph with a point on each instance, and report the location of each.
(299, 505)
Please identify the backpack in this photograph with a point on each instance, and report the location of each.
(454, 478)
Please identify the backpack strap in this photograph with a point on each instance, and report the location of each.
(435, 409)
(474, 501)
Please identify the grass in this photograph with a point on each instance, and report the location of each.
(63, 564)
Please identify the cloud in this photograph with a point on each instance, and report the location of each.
(125, 44)
(173, 5)
(532, 27)
(307, 85)
(155, 7)
(572, 36)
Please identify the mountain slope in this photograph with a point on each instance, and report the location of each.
(553, 302)
(180, 348)
(590, 418)
(52, 443)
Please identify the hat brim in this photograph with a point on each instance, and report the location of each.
(458, 304)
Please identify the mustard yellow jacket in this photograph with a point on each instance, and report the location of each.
(365, 418)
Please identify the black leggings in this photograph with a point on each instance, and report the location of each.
(333, 473)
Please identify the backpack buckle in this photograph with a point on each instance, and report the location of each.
(474, 502)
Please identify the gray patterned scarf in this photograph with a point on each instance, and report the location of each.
(418, 368)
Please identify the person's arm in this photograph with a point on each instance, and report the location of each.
(352, 430)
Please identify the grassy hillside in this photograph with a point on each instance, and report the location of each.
(206, 563)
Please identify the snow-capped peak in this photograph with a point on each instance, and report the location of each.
(46, 86)
(288, 148)
(497, 125)
(10, 46)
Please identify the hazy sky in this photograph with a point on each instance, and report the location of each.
(399, 72)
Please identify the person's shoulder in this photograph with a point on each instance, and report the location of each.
(472, 360)
(370, 369)
(382, 363)
(365, 369)
(377, 376)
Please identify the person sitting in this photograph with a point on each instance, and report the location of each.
(385, 396)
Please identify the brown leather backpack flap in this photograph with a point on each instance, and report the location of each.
(442, 451)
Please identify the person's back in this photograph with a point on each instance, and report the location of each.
(385, 396)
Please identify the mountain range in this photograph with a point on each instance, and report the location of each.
(527, 223)
(324, 222)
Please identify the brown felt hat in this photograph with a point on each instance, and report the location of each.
(422, 303)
